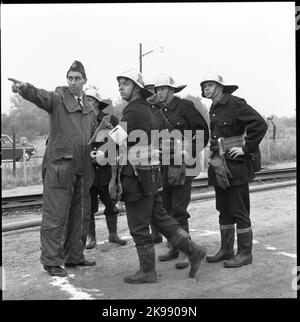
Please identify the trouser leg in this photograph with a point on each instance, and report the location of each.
(56, 208)
(91, 239)
(78, 225)
(111, 217)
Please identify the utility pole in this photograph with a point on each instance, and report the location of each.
(141, 55)
(140, 58)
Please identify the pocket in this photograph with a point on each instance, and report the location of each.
(59, 172)
(225, 128)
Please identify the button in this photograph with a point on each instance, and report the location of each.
(166, 109)
(214, 137)
(214, 115)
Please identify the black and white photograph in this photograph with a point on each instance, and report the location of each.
(148, 152)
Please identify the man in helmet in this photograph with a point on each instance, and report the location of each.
(101, 180)
(236, 131)
(139, 181)
(177, 114)
(66, 171)
(154, 106)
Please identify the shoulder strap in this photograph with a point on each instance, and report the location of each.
(166, 120)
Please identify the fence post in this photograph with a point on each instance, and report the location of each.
(24, 164)
(14, 151)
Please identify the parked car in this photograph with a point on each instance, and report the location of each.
(7, 148)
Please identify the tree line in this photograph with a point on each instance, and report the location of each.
(31, 121)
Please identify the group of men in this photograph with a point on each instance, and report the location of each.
(156, 194)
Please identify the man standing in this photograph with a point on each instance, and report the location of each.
(66, 170)
(154, 106)
(101, 180)
(236, 131)
(140, 186)
(177, 114)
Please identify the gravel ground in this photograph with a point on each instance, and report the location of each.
(273, 216)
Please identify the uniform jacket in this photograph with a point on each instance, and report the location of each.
(232, 116)
(102, 173)
(138, 116)
(183, 115)
(67, 152)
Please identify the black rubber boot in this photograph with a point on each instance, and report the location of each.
(156, 235)
(244, 254)
(111, 222)
(146, 273)
(91, 238)
(183, 260)
(227, 241)
(182, 241)
(170, 254)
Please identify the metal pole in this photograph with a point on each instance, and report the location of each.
(24, 164)
(140, 58)
(14, 151)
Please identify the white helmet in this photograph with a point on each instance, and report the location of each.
(214, 77)
(137, 78)
(90, 91)
(166, 80)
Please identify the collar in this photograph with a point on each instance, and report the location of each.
(172, 105)
(71, 104)
(224, 99)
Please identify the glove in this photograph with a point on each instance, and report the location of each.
(176, 175)
(222, 172)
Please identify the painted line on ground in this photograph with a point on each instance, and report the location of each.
(76, 293)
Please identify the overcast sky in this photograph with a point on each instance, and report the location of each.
(249, 44)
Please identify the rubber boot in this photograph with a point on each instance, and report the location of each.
(227, 241)
(170, 254)
(111, 222)
(91, 238)
(183, 260)
(146, 273)
(244, 253)
(155, 234)
(182, 241)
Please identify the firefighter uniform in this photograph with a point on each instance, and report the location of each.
(142, 199)
(67, 175)
(182, 115)
(232, 119)
(100, 188)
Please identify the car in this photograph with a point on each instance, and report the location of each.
(7, 148)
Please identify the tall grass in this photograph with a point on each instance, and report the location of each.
(33, 173)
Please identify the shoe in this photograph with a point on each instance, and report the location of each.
(55, 271)
(83, 263)
(182, 261)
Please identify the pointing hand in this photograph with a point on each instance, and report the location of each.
(17, 85)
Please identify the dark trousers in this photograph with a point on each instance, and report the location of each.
(148, 209)
(103, 194)
(65, 221)
(176, 199)
(234, 205)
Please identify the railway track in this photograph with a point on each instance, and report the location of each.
(198, 185)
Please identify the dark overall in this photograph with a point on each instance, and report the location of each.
(67, 175)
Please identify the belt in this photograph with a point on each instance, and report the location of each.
(227, 143)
